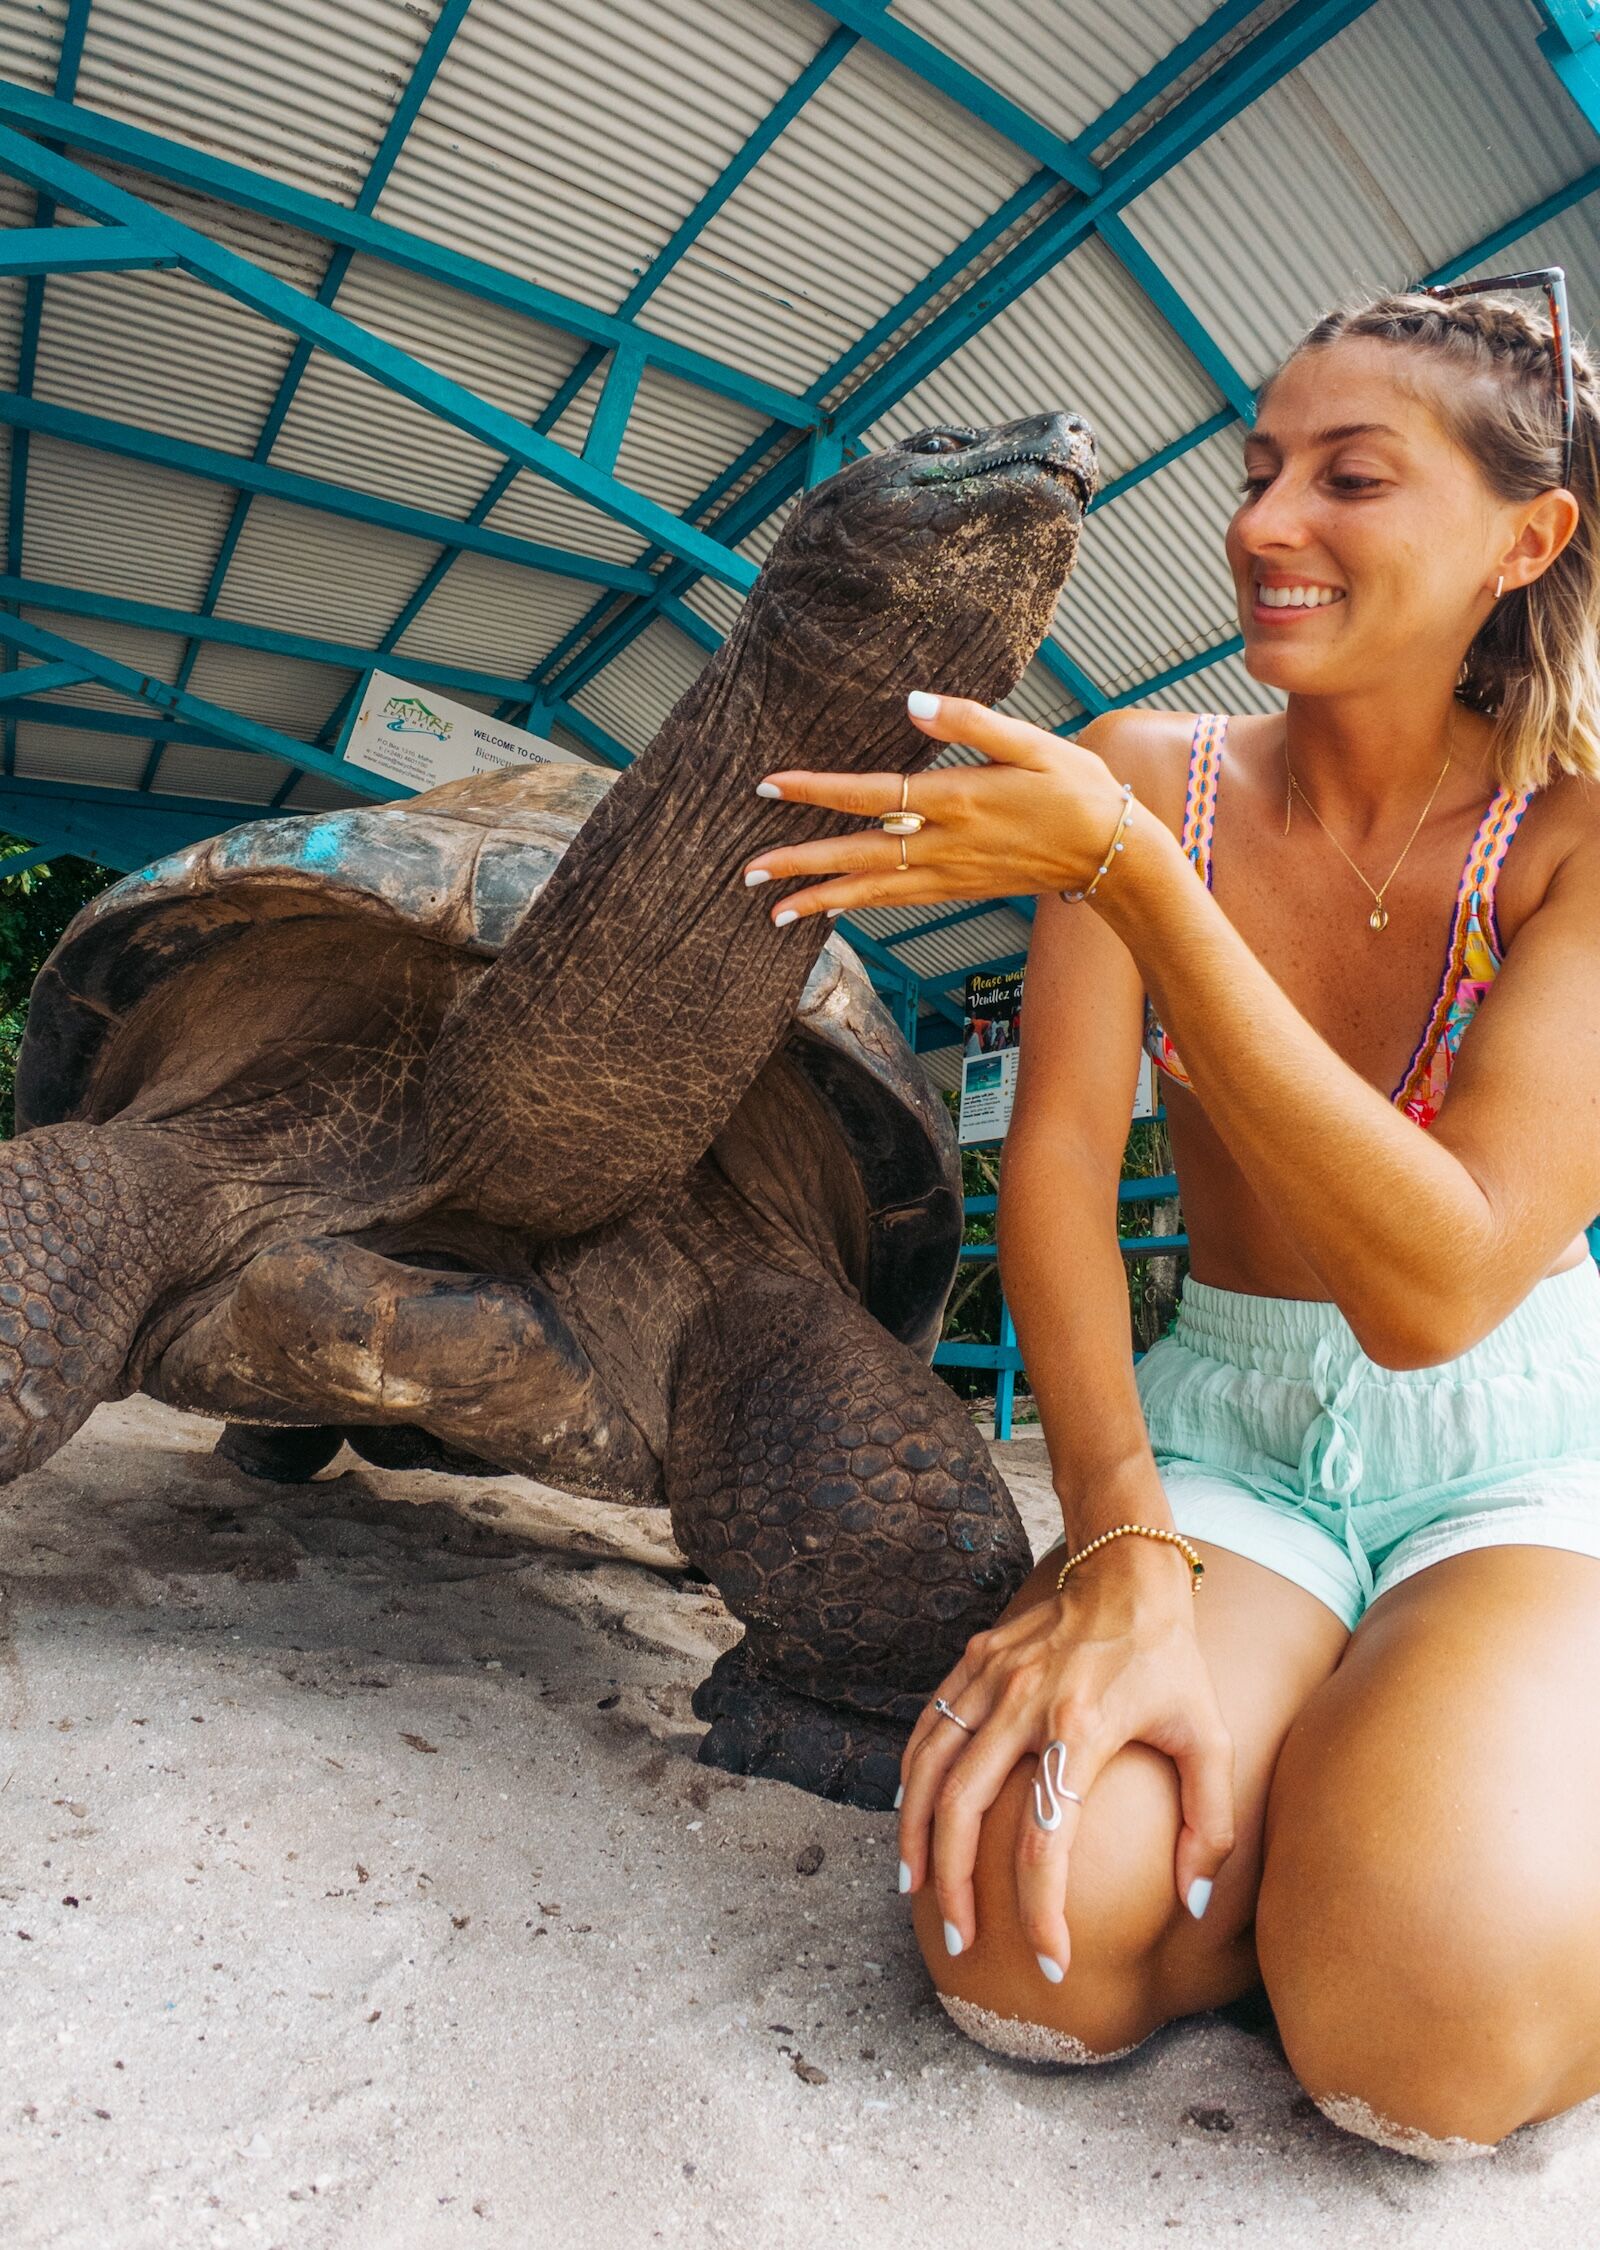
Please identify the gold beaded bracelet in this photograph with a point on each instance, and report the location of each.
(1197, 1568)
(1115, 846)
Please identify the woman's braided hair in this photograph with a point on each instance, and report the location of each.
(1535, 664)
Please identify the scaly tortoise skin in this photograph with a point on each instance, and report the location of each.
(500, 1131)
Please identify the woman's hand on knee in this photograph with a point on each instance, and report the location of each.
(1112, 1659)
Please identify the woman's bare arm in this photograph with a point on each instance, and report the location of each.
(1061, 1268)
(1425, 1240)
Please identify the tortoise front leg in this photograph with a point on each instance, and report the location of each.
(326, 1333)
(838, 1495)
(95, 1222)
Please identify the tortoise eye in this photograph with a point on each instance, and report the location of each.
(942, 441)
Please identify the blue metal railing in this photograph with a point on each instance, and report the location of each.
(1004, 1357)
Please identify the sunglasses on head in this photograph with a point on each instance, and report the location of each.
(1553, 281)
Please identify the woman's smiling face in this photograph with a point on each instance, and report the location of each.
(1366, 538)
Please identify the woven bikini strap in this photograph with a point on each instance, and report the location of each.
(1200, 796)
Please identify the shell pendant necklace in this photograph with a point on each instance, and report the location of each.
(1378, 919)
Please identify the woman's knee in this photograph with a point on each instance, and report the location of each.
(1123, 1922)
(1401, 2022)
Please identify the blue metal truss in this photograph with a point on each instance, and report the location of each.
(44, 250)
(215, 467)
(434, 50)
(263, 292)
(688, 230)
(165, 701)
(67, 62)
(347, 656)
(67, 125)
(1570, 47)
(1298, 33)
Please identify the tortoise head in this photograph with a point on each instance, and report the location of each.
(939, 560)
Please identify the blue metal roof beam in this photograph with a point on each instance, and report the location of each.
(1067, 160)
(73, 126)
(788, 106)
(77, 601)
(169, 702)
(44, 212)
(204, 461)
(46, 250)
(434, 50)
(263, 292)
(1280, 48)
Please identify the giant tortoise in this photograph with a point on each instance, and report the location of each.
(501, 1130)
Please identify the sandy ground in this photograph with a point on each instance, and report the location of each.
(358, 1887)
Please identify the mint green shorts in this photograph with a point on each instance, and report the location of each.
(1277, 1438)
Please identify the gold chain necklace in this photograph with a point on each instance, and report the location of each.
(1378, 919)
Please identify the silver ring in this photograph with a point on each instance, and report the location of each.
(945, 1712)
(1054, 1788)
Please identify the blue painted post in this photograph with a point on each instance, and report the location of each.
(1005, 1382)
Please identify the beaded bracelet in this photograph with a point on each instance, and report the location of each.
(1197, 1568)
(1115, 846)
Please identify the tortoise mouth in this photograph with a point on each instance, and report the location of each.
(1074, 471)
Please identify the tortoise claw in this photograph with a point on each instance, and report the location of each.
(760, 1728)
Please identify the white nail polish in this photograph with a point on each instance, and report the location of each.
(768, 789)
(922, 706)
(834, 913)
(784, 916)
(1199, 1896)
(756, 875)
(1052, 1969)
(905, 1878)
(900, 1796)
(952, 1938)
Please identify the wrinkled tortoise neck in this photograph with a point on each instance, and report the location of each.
(615, 1035)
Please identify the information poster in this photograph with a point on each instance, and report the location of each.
(413, 736)
(991, 1041)
(991, 1037)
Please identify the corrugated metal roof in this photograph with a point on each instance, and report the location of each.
(565, 144)
(1063, 61)
(1418, 131)
(114, 526)
(305, 88)
(1084, 339)
(99, 761)
(567, 147)
(494, 615)
(306, 572)
(876, 181)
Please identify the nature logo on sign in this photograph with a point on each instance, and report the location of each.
(408, 714)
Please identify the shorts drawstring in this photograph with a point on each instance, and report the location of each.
(1330, 1457)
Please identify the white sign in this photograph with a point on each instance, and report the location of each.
(1146, 1093)
(991, 1044)
(413, 736)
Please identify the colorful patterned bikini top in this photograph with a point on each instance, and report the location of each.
(1471, 961)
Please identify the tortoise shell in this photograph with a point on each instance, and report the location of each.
(457, 867)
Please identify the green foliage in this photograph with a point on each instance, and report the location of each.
(36, 905)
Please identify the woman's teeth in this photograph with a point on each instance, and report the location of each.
(1298, 597)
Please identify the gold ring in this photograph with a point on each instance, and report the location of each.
(903, 822)
(905, 865)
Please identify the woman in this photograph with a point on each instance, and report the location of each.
(1362, 1768)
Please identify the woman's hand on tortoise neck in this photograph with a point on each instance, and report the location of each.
(1037, 816)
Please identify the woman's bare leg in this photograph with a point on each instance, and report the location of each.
(1138, 1957)
(1428, 1924)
